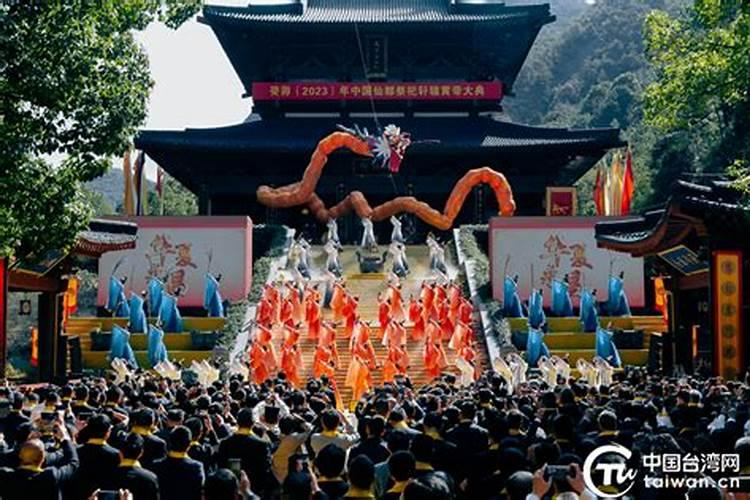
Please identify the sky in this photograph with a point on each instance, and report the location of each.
(194, 83)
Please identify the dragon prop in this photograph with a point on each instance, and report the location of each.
(388, 151)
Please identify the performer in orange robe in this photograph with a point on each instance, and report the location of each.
(298, 308)
(435, 359)
(273, 296)
(384, 313)
(313, 313)
(465, 311)
(263, 312)
(322, 358)
(446, 325)
(338, 300)
(417, 318)
(426, 294)
(469, 356)
(396, 363)
(258, 368)
(291, 356)
(454, 300)
(329, 370)
(462, 335)
(327, 339)
(285, 313)
(349, 311)
(395, 334)
(440, 296)
(397, 303)
(263, 337)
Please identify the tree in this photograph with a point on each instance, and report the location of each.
(73, 88)
(177, 200)
(702, 65)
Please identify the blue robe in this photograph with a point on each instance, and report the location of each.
(212, 298)
(120, 346)
(171, 320)
(117, 302)
(561, 303)
(589, 312)
(535, 346)
(536, 310)
(618, 301)
(157, 351)
(155, 289)
(511, 300)
(138, 323)
(606, 349)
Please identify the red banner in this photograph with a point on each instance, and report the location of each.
(562, 201)
(381, 91)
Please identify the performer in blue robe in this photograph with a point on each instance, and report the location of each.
(155, 289)
(617, 301)
(562, 306)
(117, 302)
(169, 314)
(589, 311)
(120, 346)
(511, 301)
(535, 346)
(157, 351)
(138, 323)
(536, 309)
(606, 349)
(212, 298)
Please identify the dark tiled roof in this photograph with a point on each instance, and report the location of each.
(440, 134)
(690, 207)
(380, 11)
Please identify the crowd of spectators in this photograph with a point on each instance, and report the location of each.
(149, 438)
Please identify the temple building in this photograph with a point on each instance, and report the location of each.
(437, 69)
(697, 252)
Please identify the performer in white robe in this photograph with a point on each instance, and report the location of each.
(333, 264)
(396, 234)
(368, 234)
(333, 231)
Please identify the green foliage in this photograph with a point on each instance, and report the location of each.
(177, 199)
(73, 86)
(702, 65)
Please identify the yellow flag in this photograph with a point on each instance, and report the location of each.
(127, 203)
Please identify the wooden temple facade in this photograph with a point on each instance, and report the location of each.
(438, 69)
(49, 278)
(697, 246)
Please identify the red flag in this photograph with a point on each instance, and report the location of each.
(599, 192)
(628, 185)
(159, 181)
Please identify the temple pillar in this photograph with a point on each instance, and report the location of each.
(52, 345)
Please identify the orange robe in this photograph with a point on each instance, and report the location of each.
(427, 294)
(446, 324)
(285, 314)
(397, 303)
(298, 308)
(396, 363)
(263, 338)
(321, 360)
(416, 318)
(384, 315)
(327, 339)
(461, 337)
(465, 310)
(468, 354)
(291, 356)
(349, 311)
(395, 334)
(434, 359)
(258, 367)
(313, 314)
(338, 300)
(454, 301)
(273, 296)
